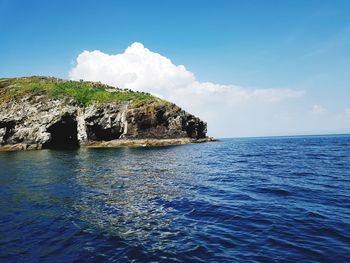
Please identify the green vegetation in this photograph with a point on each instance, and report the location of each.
(84, 92)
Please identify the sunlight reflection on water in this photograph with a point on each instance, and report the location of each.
(236, 200)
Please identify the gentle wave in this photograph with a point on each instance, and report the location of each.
(256, 200)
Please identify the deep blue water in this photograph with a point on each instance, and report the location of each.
(283, 199)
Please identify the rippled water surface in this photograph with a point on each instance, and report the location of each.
(265, 199)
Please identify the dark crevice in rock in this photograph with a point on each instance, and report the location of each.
(196, 129)
(145, 123)
(161, 118)
(8, 128)
(98, 133)
(63, 134)
(191, 129)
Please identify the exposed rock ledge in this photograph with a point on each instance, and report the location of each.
(119, 143)
(33, 116)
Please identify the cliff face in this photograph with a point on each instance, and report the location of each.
(38, 119)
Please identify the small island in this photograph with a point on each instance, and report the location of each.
(50, 113)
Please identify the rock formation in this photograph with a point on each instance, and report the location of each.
(33, 116)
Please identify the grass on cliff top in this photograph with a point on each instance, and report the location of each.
(84, 92)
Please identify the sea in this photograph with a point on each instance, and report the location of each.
(273, 199)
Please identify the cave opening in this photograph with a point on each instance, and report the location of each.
(98, 133)
(64, 134)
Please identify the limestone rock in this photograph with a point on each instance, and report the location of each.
(45, 122)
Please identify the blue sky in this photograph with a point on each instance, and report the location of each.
(299, 45)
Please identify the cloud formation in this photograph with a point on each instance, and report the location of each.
(140, 69)
(318, 109)
(222, 106)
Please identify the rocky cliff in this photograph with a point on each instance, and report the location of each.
(41, 112)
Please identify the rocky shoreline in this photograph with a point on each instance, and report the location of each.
(120, 143)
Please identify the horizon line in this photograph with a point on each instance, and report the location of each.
(279, 136)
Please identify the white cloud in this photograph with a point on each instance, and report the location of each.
(318, 109)
(137, 68)
(228, 109)
(347, 111)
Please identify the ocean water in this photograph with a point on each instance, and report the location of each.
(282, 199)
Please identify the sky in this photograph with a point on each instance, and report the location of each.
(248, 68)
